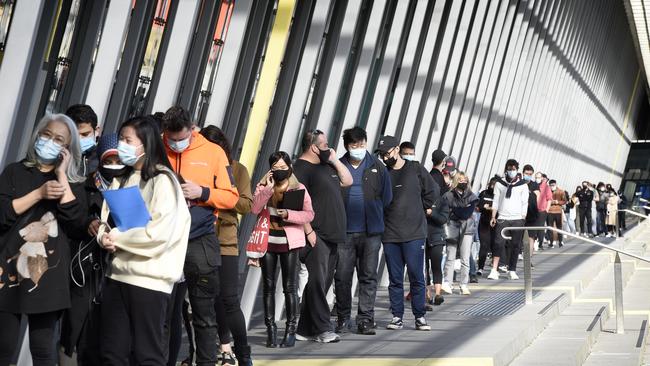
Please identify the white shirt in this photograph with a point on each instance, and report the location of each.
(513, 208)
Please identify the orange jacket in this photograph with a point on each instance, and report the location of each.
(206, 164)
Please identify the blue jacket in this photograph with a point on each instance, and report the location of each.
(377, 192)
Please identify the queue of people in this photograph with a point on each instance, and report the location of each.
(126, 238)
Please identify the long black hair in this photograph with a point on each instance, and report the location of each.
(154, 150)
(215, 135)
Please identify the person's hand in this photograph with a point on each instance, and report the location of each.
(66, 157)
(283, 213)
(253, 262)
(51, 190)
(493, 222)
(191, 190)
(333, 159)
(93, 228)
(269, 179)
(429, 211)
(311, 238)
(108, 243)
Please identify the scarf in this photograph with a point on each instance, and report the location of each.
(515, 183)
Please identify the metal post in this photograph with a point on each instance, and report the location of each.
(528, 276)
(618, 293)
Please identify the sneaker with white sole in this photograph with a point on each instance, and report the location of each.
(503, 269)
(464, 290)
(421, 324)
(494, 275)
(446, 288)
(303, 338)
(328, 337)
(521, 257)
(479, 272)
(513, 275)
(395, 324)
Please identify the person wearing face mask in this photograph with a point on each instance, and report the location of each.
(528, 176)
(612, 212)
(555, 213)
(438, 159)
(81, 322)
(407, 150)
(511, 205)
(365, 201)
(208, 187)
(585, 197)
(601, 209)
(286, 238)
(462, 204)
(42, 208)
(414, 194)
(543, 204)
(485, 230)
(323, 175)
(86, 120)
(147, 260)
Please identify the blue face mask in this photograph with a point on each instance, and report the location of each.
(87, 143)
(47, 150)
(179, 146)
(357, 154)
(408, 157)
(512, 174)
(127, 153)
(528, 178)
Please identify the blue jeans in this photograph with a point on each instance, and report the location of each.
(411, 254)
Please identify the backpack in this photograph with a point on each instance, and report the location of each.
(533, 213)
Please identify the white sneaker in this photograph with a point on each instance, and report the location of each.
(503, 269)
(513, 275)
(446, 288)
(535, 248)
(521, 257)
(494, 275)
(464, 290)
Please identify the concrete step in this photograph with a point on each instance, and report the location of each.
(621, 349)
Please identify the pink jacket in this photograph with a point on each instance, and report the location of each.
(294, 224)
(545, 196)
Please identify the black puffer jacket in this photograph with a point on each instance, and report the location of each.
(461, 208)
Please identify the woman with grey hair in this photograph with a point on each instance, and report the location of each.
(41, 205)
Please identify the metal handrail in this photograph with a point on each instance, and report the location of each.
(618, 271)
(638, 213)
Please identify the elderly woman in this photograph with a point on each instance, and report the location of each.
(41, 205)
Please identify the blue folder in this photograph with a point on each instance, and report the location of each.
(127, 207)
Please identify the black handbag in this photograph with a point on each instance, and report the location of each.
(452, 232)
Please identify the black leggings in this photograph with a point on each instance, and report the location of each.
(289, 267)
(486, 235)
(435, 258)
(41, 337)
(174, 322)
(229, 315)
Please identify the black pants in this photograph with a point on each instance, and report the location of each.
(187, 321)
(174, 322)
(555, 218)
(539, 234)
(202, 277)
(621, 220)
(41, 337)
(601, 216)
(359, 251)
(434, 253)
(227, 307)
(584, 214)
(509, 247)
(289, 269)
(314, 312)
(486, 235)
(133, 322)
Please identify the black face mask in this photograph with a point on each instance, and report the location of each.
(324, 155)
(462, 186)
(110, 174)
(280, 175)
(390, 162)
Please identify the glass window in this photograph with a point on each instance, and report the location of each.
(139, 101)
(214, 58)
(6, 11)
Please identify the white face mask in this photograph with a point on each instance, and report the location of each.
(408, 157)
(357, 154)
(179, 146)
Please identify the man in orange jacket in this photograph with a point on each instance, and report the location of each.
(208, 185)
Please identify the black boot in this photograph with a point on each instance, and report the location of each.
(271, 335)
(289, 339)
(243, 354)
(269, 320)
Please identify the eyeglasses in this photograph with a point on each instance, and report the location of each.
(387, 153)
(47, 135)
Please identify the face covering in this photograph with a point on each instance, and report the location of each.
(538, 180)
(511, 174)
(324, 156)
(280, 175)
(528, 178)
(390, 162)
(110, 171)
(553, 189)
(47, 150)
(87, 143)
(462, 186)
(179, 146)
(408, 157)
(357, 154)
(127, 153)
(602, 189)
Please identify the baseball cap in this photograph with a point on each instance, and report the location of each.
(386, 143)
(107, 145)
(449, 165)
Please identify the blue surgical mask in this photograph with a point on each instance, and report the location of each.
(512, 174)
(528, 178)
(357, 154)
(408, 157)
(127, 153)
(179, 146)
(87, 143)
(47, 150)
